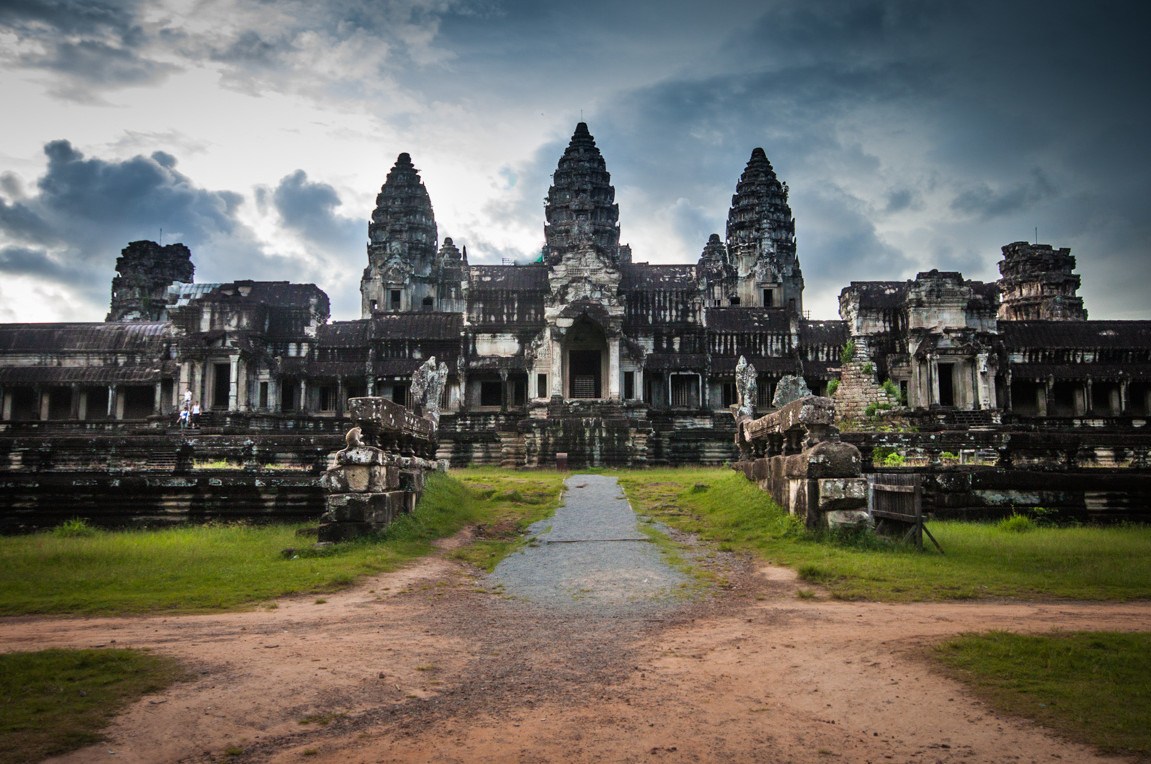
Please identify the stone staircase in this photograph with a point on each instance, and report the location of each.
(859, 387)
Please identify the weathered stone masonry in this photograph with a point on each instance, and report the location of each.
(587, 352)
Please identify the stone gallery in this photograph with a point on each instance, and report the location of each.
(587, 355)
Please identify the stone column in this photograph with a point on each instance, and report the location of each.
(503, 391)
(557, 384)
(74, 403)
(339, 396)
(112, 402)
(158, 399)
(1123, 397)
(613, 368)
(233, 383)
(303, 407)
(5, 405)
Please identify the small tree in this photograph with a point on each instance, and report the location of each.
(848, 352)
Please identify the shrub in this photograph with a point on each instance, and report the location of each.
(868, 368)
(893, 390)
(832, 386)
(75, 528)
(848, 352)
(894, 459)
(1016, 524)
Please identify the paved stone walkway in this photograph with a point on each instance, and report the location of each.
(590, 555)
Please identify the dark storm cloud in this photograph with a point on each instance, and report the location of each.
(91, 46)
(30, 262)
(85, 210)
(138, 195)
(309, 209)
(986, 202)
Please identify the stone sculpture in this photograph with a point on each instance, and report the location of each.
(791, 387)
(746, 387)
(427, 387)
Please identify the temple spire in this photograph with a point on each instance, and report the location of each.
(580, 209)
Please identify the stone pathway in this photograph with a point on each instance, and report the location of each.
(590, 555)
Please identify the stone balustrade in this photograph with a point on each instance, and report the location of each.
(795, 454)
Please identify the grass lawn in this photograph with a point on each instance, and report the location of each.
(81, 571)
(1093, 687)
(56, 701)
(981, 560)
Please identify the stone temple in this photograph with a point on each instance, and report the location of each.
(586, 353)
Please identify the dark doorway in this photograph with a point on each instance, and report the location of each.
(25, 404)
(139, 401)
(221, 385)
(586, 349)
(584, 374)
(946, 384)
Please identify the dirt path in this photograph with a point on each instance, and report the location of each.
(425, 664)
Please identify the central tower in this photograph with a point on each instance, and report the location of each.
(583, 309)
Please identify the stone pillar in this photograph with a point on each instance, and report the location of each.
(932, 380)
(42, 402)
(613, 368)
(1123, 404)
(557, 382)
(157, 399)
(339, 396)
(74, 403)
(303, 406)
(233, 383)
(503, 391)
(112, 402)
(5, 405)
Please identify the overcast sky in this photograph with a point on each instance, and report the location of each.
(913, 135)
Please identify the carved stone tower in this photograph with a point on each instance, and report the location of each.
(581, 204)
(761, 240)
(580, 347)
(1038, 284)
(716, 274)
(144, 270)
(402, 241)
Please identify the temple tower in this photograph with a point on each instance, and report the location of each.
(402, 242)
(144, 270)
(580, 347)
(761, 240)
(581, 204)
(1037, 283)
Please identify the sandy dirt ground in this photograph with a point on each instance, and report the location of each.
(429, 664)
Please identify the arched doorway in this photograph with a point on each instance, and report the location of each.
(585, 356)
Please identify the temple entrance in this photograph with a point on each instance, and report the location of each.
(586, 353)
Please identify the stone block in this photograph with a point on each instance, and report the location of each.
(377, 509)
(362, 455)
(833, 459)
(842, 494)
(848, 518)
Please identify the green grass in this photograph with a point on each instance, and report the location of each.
(81, 571)
(55, 701)
(981, 561)
(508, 501)
(1093, 687)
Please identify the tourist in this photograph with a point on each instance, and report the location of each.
(196, 414)
(187, 399)
(183, 418)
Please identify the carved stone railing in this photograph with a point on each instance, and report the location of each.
(795, 454)
(381, 473)
(791, 429)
